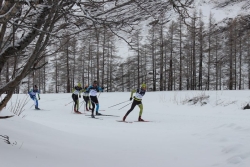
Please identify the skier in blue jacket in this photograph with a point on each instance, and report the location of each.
(93, 89)
(33, 93)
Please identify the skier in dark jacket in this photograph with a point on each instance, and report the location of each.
(86, 98)
(140, 92)
(93, 89)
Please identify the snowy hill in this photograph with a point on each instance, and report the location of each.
(180, 134)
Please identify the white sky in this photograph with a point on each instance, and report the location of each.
(180, 135)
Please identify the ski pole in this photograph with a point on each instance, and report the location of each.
(32, 105)
(118, 103)
(125, 105)
(68, 103)
(99, 94)
(81, 104)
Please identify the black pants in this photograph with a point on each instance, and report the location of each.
(135, 102)
(94, 101)
(86, 99)
(75, 99)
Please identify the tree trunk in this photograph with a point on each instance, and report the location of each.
(180, 51)
(161, 58)
(68, 68)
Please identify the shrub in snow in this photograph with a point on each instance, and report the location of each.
(246, 107)
(201, 99)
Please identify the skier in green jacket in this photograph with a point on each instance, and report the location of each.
(75, 92)
(140, 92)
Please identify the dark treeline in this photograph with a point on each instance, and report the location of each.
(171, 56)
(197, 56)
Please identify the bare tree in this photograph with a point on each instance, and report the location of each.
(37, 22)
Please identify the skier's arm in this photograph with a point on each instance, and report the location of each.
(100, 88)
(81, 90)
(132, 92)
(38, 94)
(29, 94)
(88, 88)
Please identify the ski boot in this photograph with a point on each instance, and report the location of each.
(97, 113)
(125, 116)
(140, 119)
(78, 112)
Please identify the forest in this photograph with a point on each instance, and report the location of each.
(56, 44)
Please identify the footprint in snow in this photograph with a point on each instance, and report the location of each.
(238, 158)
(232, 148)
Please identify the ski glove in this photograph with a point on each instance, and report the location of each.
(130, 98)
(39, 98)
(79, 96)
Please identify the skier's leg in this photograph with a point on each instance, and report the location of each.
(141, 110)
(97, 109)
(131, 108)
(36, 103)
(89, 103)
(97, 105)
(77, 101)
(86, 101)
(74, 99)
(34, 100)
(93, 106)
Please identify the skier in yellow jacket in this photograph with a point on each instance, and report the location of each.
(140, 92)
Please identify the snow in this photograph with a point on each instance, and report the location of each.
(180, 134)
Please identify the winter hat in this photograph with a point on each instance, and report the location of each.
(79, 85)
(143, 85)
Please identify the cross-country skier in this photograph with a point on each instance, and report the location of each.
(93, 89)
(32, 94)
(140, 92)
(86, 98)
(75, 92)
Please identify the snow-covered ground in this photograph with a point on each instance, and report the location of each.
(180, 134)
